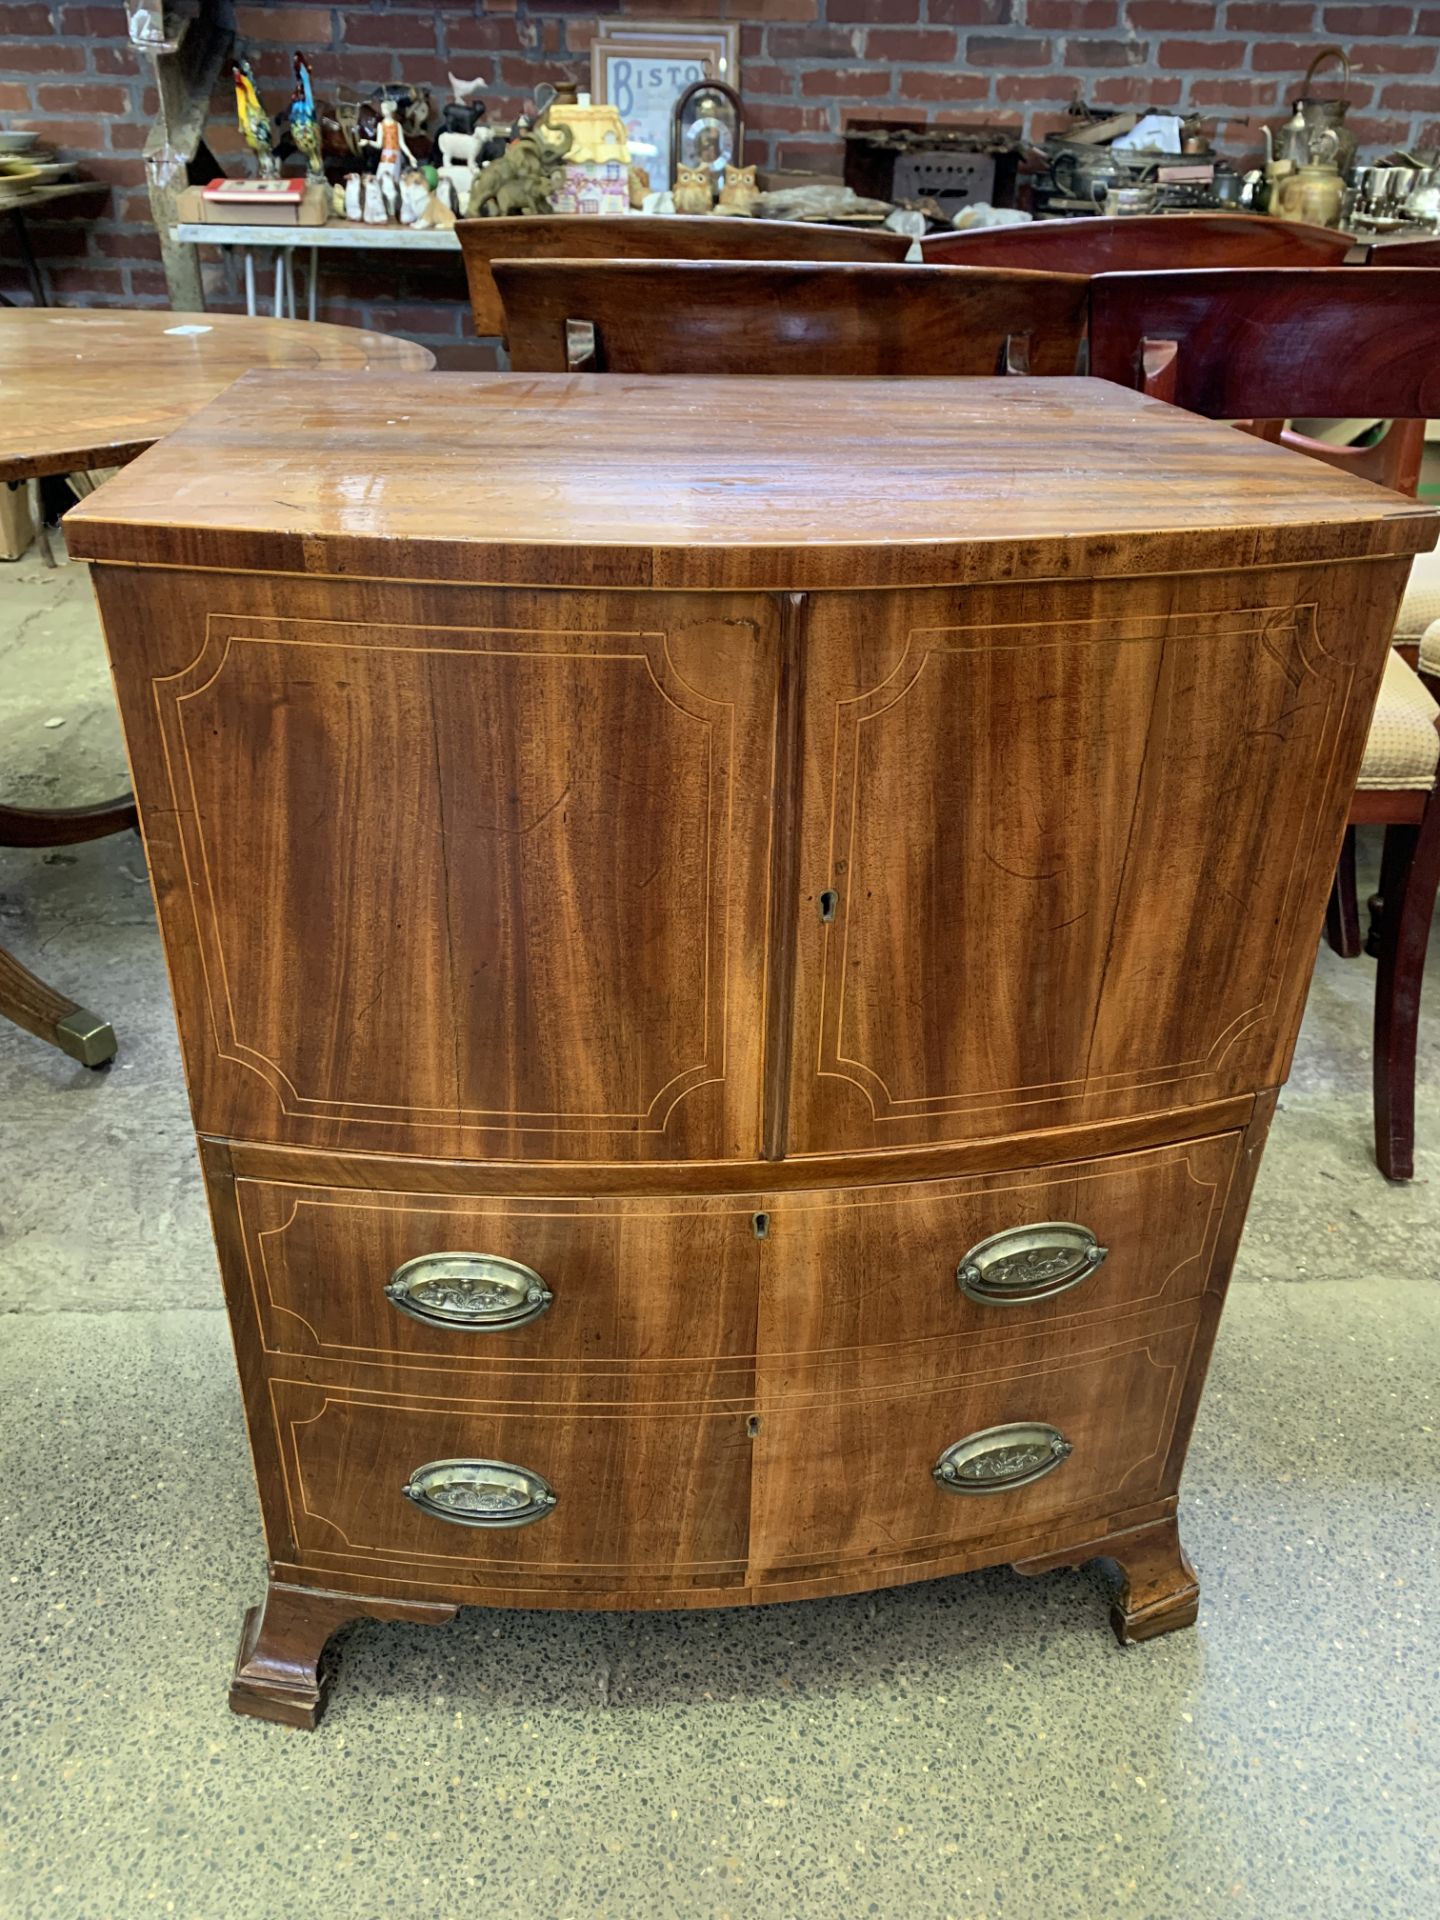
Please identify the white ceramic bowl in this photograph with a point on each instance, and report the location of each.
(17, 142)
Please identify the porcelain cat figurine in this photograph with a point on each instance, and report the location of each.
(739, 193)
(353, 207)
(692, 190)
(375, 214)
(414, 196)
(435, 213)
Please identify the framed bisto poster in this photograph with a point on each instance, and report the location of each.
(642, 68)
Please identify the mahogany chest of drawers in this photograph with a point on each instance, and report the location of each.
(734, 943)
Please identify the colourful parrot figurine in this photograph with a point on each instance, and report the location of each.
(304, 124)
(254, 121)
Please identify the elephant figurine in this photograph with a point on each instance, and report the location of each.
(521, 179)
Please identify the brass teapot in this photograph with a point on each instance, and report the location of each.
(1313, 193)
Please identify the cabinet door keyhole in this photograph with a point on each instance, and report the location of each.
(829, 901)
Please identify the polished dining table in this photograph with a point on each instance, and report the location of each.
(90, 388)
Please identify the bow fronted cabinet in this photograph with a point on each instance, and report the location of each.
(735, 942)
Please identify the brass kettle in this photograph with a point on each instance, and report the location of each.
(1311, 118)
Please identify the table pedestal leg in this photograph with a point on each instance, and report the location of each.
(37, 517)
(51, 1017)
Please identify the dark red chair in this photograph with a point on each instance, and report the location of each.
(1143, 243)
(1323, 343)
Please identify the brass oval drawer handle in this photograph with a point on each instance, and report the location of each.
(1029, 1263)
(468, 1292)
(999, 1458)
(480, 1493)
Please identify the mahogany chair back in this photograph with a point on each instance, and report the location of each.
(1405, 253)
(1271, 343)
(789, 317)
(653, 237)
(1133, 244)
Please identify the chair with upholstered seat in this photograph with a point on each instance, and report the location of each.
(1419, 612)
(1321, 343)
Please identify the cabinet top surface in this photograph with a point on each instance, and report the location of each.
(612, 480)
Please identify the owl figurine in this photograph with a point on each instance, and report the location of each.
(739, 193)
(693, 192)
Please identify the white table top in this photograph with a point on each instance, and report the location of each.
(340, 233)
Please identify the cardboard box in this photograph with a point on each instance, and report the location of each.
(248, 206)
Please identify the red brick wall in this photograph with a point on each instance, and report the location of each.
(804, 65)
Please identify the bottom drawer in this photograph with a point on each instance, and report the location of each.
(851, 1477)
(660, 1491)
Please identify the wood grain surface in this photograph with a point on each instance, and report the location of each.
(612, 481)
(837, 1475)
(1082, 773)
(94, 387)
(317, 1260)
(564, 802)
(729, 846)
(858, 1288)
(1308, 343)
(790, 318)
(1142, 243)
(656, 237)
(655, 1490)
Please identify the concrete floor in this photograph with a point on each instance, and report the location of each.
(976, 1748)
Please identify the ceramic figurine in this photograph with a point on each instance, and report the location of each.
(414, 196)
(639, 185)
(435, 213)
(520, 181)
(692, 190)
(390, 194)
(375, 214)
(352, 203)
(254, 121)
(389, 139)
(739, 193)
(464, 108)
(595, 178)
(304, 123)
(459, 159)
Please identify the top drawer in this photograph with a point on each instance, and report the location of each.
(883, 1286)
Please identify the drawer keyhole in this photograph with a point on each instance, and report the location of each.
(829, 901)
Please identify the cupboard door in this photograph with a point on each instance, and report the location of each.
(449, 871)
(1064, 850)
